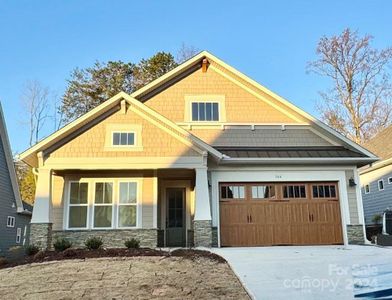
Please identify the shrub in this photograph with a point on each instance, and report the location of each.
(376, 219)
(93, 243)
(3, 261)
(32, 249)
(61, 244)
(39, 256)
(132, 243)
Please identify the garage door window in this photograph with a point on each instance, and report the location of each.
(294, 191)
(263, 192)
(324, 191)
(229, 192)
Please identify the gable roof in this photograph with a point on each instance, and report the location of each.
(10, 162)
(30, 155)
(196, 61)
(380, 144)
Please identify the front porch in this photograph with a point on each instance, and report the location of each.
(164, 207)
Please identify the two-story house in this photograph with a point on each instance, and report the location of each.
(376, 179)
(201, 156)
(14, 214)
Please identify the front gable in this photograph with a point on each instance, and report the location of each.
(152, 139)
(241, 104)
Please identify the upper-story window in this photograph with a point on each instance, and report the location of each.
(205, 111)
(123, 139)
(367, 189)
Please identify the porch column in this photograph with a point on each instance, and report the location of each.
(41, 221)
(202, 219)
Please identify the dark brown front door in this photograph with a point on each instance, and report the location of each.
(266, 214)
(175, 217)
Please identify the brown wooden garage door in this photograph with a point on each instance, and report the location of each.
(265, 214)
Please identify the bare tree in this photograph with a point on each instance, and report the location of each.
(186, 52)
(35, 100)
(359, 102)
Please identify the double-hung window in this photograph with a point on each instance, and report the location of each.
(205, 111)
(10, 221)
(103, 205)
(78, 205)
(127, 204)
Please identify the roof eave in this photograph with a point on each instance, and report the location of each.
(297, 161)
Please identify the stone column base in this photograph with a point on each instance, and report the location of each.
(41, 235)
(355, 234)
(202, 233)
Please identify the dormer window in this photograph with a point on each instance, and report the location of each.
(123, 139)
(205, 111)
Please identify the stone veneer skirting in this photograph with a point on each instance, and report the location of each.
(355, 234)
(111, 238)
(202, 233)
(41, 235)
(214, 237)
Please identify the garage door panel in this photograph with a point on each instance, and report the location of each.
(301, 221)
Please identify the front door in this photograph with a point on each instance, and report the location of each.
(175, 217)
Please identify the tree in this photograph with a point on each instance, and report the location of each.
(26, 181)
(90, 87)
(185, 53)
(149, 69)
(359, 102)
(35, 100)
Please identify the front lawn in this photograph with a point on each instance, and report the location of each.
(139, 277)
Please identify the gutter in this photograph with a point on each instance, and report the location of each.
(376, 166)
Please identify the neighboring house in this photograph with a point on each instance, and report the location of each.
(376, 179)
(14, 216)
(201, 156)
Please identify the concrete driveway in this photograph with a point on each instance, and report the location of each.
(313, 272)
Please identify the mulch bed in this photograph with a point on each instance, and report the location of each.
(72, 253)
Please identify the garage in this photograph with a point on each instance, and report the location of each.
(288, 213)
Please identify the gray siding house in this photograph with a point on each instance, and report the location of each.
(14, 214)
(376, 179)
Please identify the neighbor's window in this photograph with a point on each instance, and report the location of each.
(10, 221)
(18, 235)
(103, 205)
(367, 189)
(390, 180)
(205, 111)
(380, 184)
(127, 204)
(232, 192)
(123, 139)
(263, 191)
(324, 191)
(78, 205)
(294, 191)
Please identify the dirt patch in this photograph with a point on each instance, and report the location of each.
(143, 277)
(71, 253)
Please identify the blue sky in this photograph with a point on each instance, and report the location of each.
(270, 41)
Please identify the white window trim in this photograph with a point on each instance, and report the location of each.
(69, 205)
(102, 204)
(18, 235)
(389, 180)
(10, 222)
(136, 129)
(367, 185)
(90, 200)
(125, 131)
(138, 203)
(378, 184)
(220, 99)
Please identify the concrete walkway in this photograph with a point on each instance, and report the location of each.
(314, 272)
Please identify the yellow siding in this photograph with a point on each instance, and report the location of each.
(241, 105)
(58, 201)
(155, 141)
